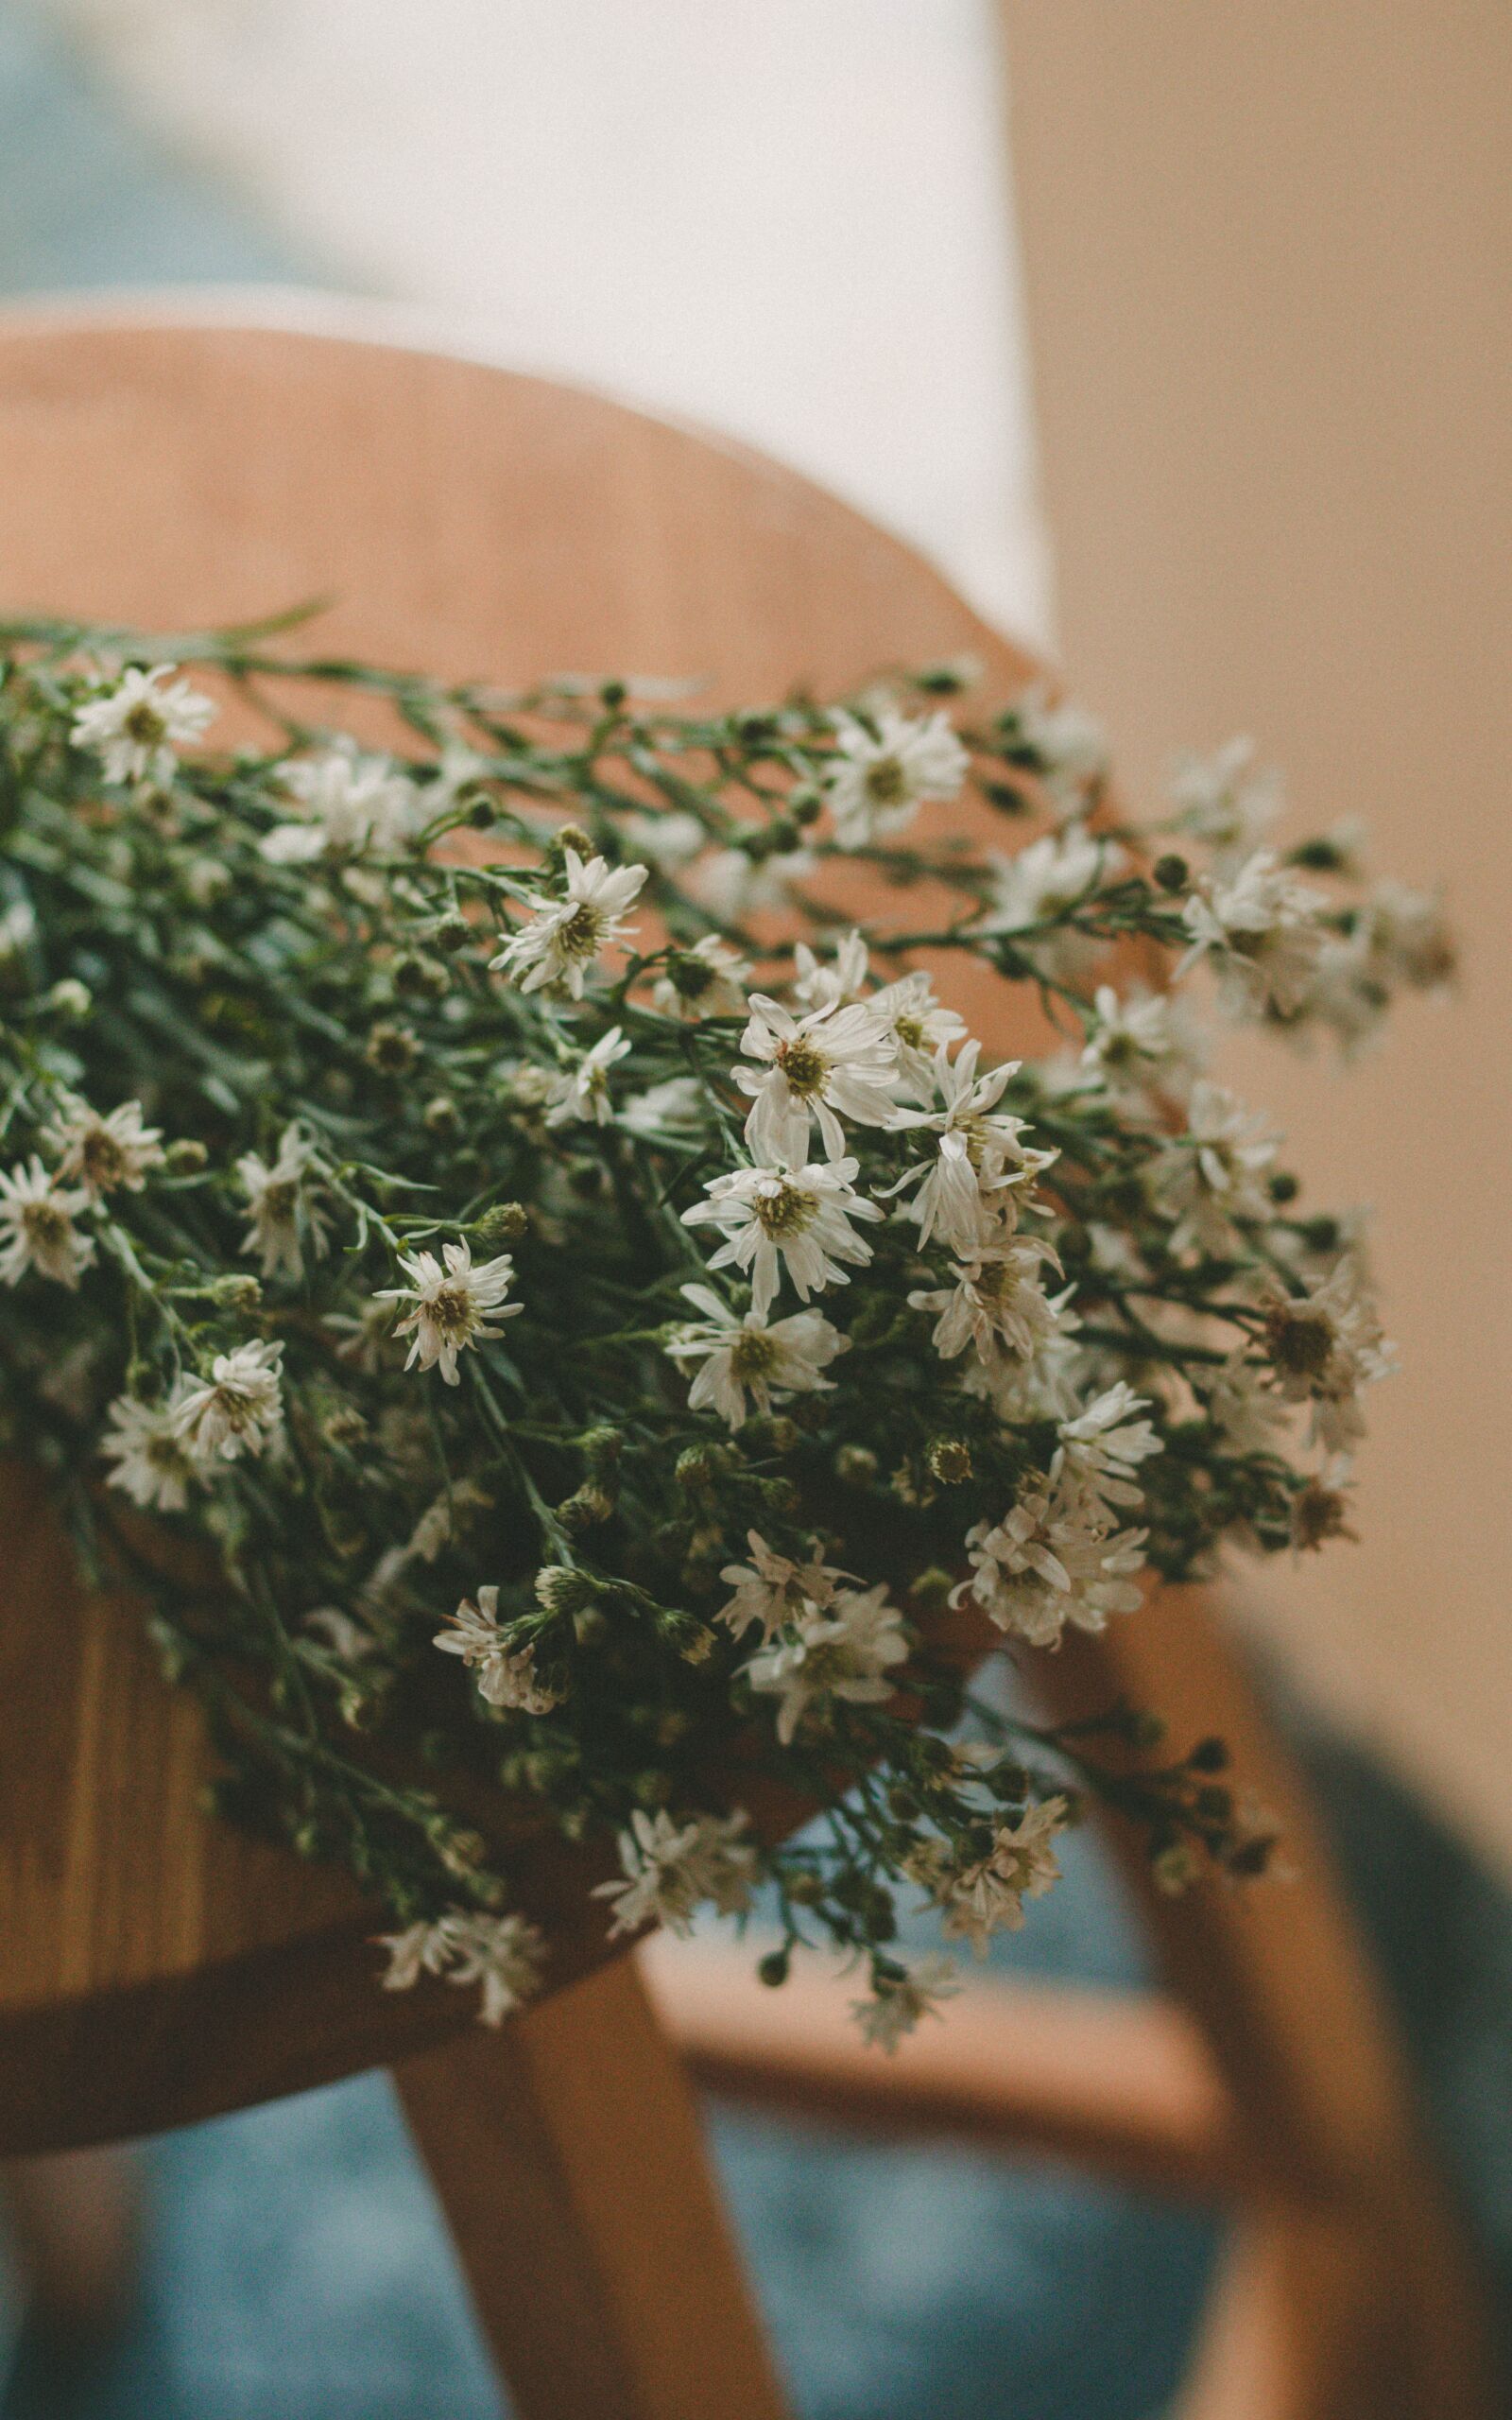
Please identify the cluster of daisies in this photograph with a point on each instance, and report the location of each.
(523, 1201)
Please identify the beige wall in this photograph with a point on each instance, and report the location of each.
(1268, 258)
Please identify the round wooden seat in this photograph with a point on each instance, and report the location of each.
(155, 1965)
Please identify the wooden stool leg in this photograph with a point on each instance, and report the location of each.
(568, 2155)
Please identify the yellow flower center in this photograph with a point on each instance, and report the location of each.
(886, 782)
(805, 1068)
(753, 1354)
(785, 1211)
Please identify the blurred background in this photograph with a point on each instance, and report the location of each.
(1180, 340)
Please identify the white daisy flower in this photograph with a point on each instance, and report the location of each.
(455, 1304)
(1215, 1174)
(346, 803)
(560, 944)
(669, 842)
(799, 1216)
(18, 931)
(843, 1650)
(39, 1225)
(137, 726)
(741, 1357)
(987, 1895)
(886, 769)
(152, 1463)
(279, 1200)
(504, 1953)
(99, 1152)
(675, 1107)
(1141, 1042)
(997, 1302)
(1226, 800)
(1244, 1408)
(1041, 884)
(237, 1410)
(584, 1094)
(838, 1061)
(965, 1191)
(504, 1677)
(348, 1641)
(1102, 1447)
(670, 1870)
(896, 2005)
(920, 1027)
(1323, 1347)
(1070, 746)
(1050, 1563)
(733, 885)
(825, 983)
(1262, 925)
(772, 1589)
(708, 981)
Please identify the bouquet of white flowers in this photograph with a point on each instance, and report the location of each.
(521, 1203)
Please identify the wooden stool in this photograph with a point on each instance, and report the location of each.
(156, 1967)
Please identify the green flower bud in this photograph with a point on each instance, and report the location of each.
(507, 1222)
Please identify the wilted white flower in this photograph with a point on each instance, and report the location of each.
(838, 1061)
(504, 1678)
(843, 1650)
(152, 1464)
(101, 1153)
(1324, 1346)
(671, 1868)
(137, 725)
(1262, 926)
(773, 1590)
(708, 981)
(964, 1192)
(1070, 744)
(584, 1094)
(455, 1304)
(1321, 1509)
(997, 1301)
(560, 944)
(237, 1410)
(1215, 1174)
(345, 803)
(279, 1200)
(896, 2003)
(504, 1953)
(743, 1357)
(1226, 800)
(986, 1894)
(886, 769)
(800, 1216)
(1141, 1042)
(39, 1225)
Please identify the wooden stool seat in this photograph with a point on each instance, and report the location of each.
(157, 1967)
